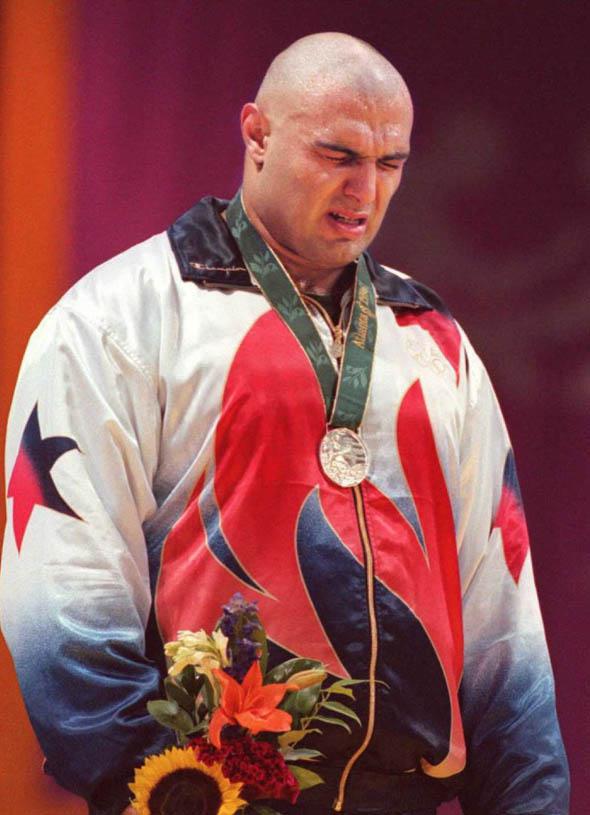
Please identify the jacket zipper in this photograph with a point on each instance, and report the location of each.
(370, 587)
(370, 593)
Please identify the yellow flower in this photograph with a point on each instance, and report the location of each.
(197, 648)
(200, 650)
(201, 660)
(176, 782)
(187, 643)
(305, 679)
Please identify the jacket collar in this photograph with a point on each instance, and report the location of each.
(208, 255)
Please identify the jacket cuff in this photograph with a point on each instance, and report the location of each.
(111, 798)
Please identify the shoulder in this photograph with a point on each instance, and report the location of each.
(416, 306)
(123, 304)
(401, 291)
(126, 284)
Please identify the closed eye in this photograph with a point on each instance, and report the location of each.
(344, 157)
(346, 160)
(389, 165)
(341, 159)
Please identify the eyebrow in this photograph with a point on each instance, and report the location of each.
(339, 148)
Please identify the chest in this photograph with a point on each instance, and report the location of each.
(232, 370)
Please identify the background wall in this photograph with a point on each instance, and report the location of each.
(117, 116)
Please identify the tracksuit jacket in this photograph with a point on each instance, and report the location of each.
(162, 455)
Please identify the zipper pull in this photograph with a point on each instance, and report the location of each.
(337, 343)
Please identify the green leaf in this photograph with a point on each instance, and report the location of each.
(177, 694)
(295, 736)
(281, 673)
(302, 754)
(337, 688)
(259, 636)
(343, 709)
(344, 683)
(289, 704)
(306, 699)
(342, 691)
(202, 711)
(191, 681)
(200, 728)
(306, 778)
(171, 715)
(208, 694)
(300, 703)
(163, 707)
(263, 809)
(332, 720)
(292, 737)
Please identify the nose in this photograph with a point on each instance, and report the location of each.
(361, 184)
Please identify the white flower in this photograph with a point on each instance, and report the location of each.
(200, 650)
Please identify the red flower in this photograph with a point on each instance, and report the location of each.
(257, 764)
(250, 704)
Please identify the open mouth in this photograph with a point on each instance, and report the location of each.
(344, 219)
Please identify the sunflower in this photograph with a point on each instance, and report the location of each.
(176, 783)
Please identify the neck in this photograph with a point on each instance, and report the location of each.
(318, 283)
(307, 279)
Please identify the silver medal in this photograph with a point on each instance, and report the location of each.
(344, 457)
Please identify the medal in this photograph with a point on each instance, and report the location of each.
(344, 457)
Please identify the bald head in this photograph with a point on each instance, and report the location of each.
(326, 141)
(326, 63)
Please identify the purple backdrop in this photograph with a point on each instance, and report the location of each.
(492, 213)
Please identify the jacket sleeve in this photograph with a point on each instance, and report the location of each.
(516, 763)
(81, 452)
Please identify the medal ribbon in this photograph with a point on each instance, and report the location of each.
(345, 392)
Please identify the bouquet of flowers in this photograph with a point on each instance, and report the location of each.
(239, 726)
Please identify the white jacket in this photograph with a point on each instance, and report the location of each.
(162, 454)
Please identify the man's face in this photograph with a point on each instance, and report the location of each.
(328, 174)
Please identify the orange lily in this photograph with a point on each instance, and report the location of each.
(251, 704)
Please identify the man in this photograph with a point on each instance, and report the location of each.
(250, 402)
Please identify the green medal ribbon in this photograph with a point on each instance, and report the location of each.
(345, 393)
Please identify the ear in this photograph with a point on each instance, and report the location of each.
(255, 131)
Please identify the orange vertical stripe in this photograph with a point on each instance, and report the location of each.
(34, 220)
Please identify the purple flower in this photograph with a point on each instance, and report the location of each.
(241, 625)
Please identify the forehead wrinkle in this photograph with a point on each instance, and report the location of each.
(334, 116)
(369, 138)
